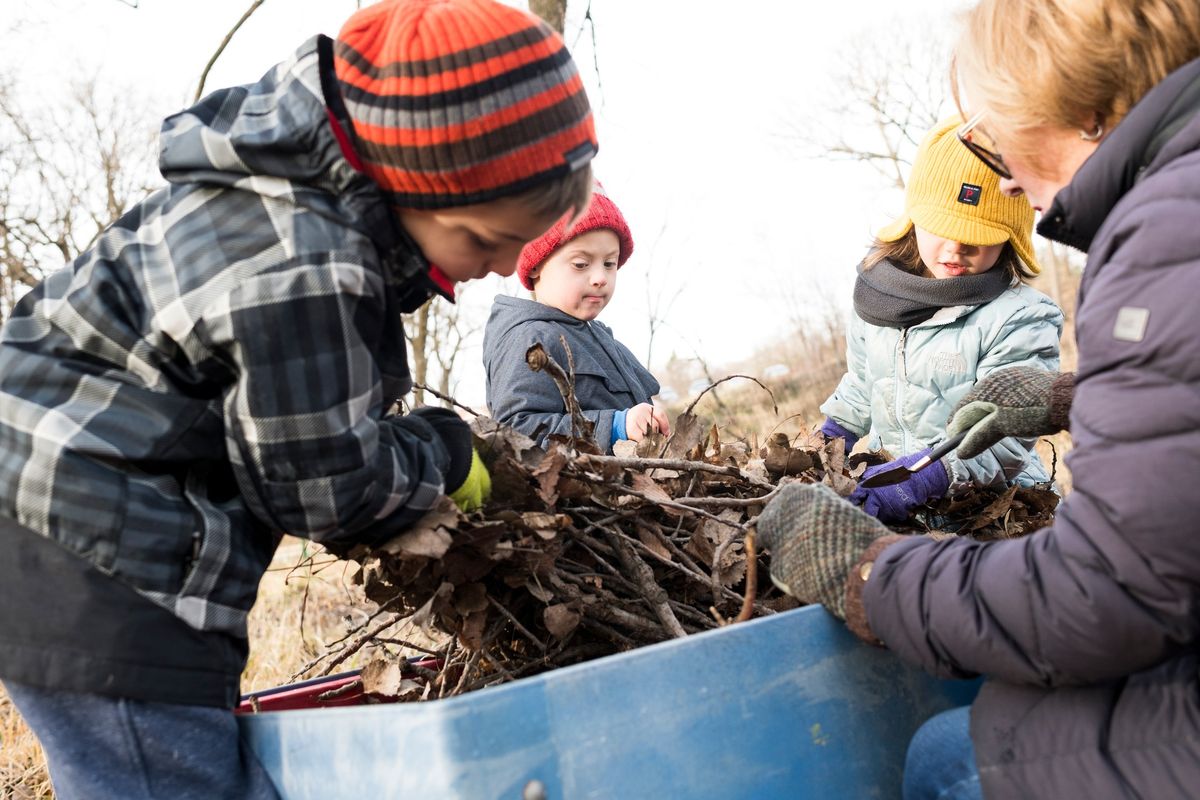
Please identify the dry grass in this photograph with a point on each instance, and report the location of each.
(302, 603)
(22, 768)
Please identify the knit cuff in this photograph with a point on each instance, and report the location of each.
(1062, 392)
(856, 613)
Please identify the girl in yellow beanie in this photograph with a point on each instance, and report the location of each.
(940, 302)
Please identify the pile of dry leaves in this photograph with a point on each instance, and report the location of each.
(580, 555)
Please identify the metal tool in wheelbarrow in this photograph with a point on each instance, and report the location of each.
(902, 473)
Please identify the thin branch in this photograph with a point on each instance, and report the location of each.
(751, 579)
(540, 361)
(221, 47)
(447, 398)
(676, 464)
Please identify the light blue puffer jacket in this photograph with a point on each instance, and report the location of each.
(901, 384)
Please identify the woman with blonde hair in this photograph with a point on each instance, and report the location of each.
(1088, 631)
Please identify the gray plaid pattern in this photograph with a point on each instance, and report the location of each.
(215, 370)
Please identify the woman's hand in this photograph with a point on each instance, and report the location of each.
(1018, 401)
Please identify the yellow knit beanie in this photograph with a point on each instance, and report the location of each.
(952, 194)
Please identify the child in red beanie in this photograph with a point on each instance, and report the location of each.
(217, 370)
(573, 275)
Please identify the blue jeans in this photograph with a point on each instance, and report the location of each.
(108, 747)
(941, 760)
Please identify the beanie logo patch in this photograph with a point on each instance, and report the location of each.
(969, 194)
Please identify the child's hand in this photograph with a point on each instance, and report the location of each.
(894, 504)
(643, 417)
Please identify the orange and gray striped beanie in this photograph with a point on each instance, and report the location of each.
(455, 102)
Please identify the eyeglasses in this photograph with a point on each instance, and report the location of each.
(982, 147)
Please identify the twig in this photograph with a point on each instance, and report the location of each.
(718, 554)
(447, 398)
(538, 642)
(666, 503)
(462, 679)
(540, 361)
(686, 567)
(751, 579)
(357, 645)
(651, 591)
(221, 47)
(677, 464)
(729, 502)
(382, 608)
(345, 688)
(710, 387)
(409, 645)
(716, 383)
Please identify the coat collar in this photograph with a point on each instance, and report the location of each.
(1130, 152)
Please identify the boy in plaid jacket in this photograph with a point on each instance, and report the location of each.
(215, 371)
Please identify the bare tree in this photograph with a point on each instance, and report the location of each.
(659, 300)
(66, 174)
(893, 89)
(437, 333)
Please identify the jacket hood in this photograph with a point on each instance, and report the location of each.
(276, 138)
(272, 137)
(509, 312)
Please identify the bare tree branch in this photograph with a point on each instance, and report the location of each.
(225, 43)
(883, 103)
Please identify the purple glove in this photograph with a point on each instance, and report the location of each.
(832, 430)
(894, 503)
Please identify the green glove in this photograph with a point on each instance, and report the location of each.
(815, 538)
(467, 480)
(1018, 401)
(476, 489)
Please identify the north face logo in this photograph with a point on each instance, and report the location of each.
(952, 363)
(969, 194)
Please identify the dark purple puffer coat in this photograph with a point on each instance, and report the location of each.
(1089, 631)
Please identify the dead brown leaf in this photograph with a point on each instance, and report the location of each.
(386, 679)
(561, 620)
(429, 537)
(686, 433)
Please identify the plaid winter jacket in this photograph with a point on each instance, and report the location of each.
(214, 372)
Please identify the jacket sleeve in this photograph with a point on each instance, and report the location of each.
(1111, 588)
(1028, 338)
(312, 454)
(850, 403)
(530, 401)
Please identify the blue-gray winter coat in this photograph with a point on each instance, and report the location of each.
(901, 384)
(1089, 630)
(608, 377)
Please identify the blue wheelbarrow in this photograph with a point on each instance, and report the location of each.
(787, 706)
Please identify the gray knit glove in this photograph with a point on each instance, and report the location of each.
(1018, 401)
(815, 538)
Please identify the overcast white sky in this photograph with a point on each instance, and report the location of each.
(694, 103)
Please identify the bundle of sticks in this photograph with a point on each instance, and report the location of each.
(580, 555)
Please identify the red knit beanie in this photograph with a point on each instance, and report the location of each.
(602, 214)
(456, 102)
